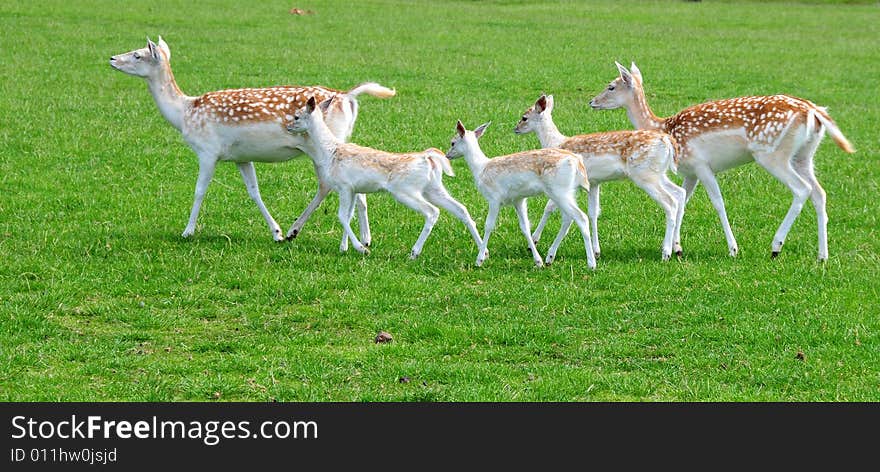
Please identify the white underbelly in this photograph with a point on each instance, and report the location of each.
(720, 151)
(604, 167)
(516, 186)
(259, 142)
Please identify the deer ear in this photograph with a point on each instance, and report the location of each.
(481, 129)
(310, 105)
(325, 105)
(154, 50)
(634, 70)
(541, 103)
(624, 74)
(164, 47)
(459, 128)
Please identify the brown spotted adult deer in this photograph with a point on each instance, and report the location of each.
(642, 156)
(242, 126)
(779, 132)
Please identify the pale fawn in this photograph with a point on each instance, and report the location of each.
(642, 156)
(509, 180)
(414, 179)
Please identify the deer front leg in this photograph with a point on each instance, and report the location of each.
(323, 190)
(206, 173)
(707, 178)
(249, 175)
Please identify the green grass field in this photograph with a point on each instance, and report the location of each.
(101, 299)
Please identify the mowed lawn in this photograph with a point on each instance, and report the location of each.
(101, 298)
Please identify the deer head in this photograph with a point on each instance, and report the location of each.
(535, 115)
(463, 139)
(621, 91)
(144, 62)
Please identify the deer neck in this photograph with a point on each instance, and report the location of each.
(548, 133)
(320, 143)
(476, 160)
(168, 96)
(640, 114)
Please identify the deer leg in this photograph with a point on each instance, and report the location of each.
(687, 187)
(548, 209)
(363, 221)
(780, 167)
(249, 176)
(563, 231)
(491, 219)
(803, 165)
(655, 189)
(593, 211)
(346, 204)
(323, 191)
(568, 206)
(525, 227)
(430, 212)
(206, 173)
(707, 178)
(440, 197)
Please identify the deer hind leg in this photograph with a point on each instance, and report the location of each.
(593, 211)
(363, 220)
(803, 165)
(653, 186)
(779, 164)
(440, 197)
(249, 176)
(568, 206)
(429, 211)
(563, 231)
(524, 226)
(548, 209)
(206, 173)
(346, 207)
(687, 187)
(707, 178)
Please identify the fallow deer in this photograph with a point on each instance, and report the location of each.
(241, 125)
(779, 132)
(643, 156)
(414, 179)
(510, 179)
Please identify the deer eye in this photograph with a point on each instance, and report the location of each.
(137, 56)
(525, 118)
(611, 87)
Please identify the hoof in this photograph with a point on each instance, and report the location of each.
(774, 254)
(679, 253)
(292, 235)
(596, 255)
